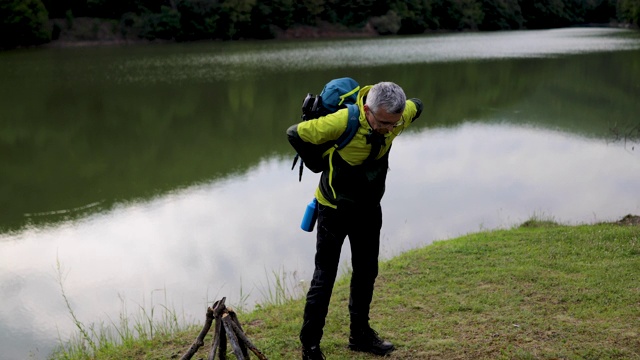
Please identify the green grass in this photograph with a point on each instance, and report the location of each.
(539, 291)
(150, 323)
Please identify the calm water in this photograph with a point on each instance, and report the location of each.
(161, 174)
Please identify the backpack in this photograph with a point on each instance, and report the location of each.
(336, 94)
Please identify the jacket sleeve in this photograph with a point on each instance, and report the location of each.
(312, 138)
(310, 153)
(419, 107)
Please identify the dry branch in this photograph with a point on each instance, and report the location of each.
(238, 330)
(226, 326)
(233, 339)
(219, 333)
(200, 339)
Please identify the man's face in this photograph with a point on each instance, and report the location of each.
(382, 121)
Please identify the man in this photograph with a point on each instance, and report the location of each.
(351, 187)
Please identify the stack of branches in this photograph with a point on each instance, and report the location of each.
(227, 325)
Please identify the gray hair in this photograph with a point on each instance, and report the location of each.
(387, 95)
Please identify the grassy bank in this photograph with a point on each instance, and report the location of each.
(539, 291)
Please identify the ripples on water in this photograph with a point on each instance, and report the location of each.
(233, 62)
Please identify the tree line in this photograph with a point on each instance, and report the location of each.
(29, 22)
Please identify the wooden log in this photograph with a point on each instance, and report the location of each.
(237, 329)
(233, 339)
(219, 337)
(240, 333)
(216, 339)
(218, 311)
(219, 307)
(234, 318)
(223, 342)
(200, 339)
(227, 325)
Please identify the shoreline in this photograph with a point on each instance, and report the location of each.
(96, 32)
(77, 38)
(508, 298)
(101, 32)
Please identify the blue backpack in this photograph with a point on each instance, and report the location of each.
(336, 94)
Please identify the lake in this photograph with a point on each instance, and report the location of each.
(160, 175)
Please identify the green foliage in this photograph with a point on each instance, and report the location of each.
(348, 13)
(279, 13)
(186, 20)
(501, 15)
(603, 11)
(163, 25)
(23, 23)
(546, 13)
(538, 221)
(415, 15)
(111, 9)
(629, 11)
(235, 18)
(466, 14)
(457, 14)
(198, 19)
(389, 23)
(307, 12)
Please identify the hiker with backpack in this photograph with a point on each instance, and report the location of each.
(349, 143)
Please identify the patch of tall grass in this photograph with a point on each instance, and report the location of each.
(150, 321)
(281, 288)
(147, 322)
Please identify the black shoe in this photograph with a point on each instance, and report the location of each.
(312, 353)
(367, 340)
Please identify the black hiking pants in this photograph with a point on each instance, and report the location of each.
(362, 224)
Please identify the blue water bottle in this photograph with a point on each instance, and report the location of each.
(310, 216)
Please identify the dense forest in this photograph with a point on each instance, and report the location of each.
(34, 22)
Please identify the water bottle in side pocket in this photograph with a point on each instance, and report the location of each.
(310, 216)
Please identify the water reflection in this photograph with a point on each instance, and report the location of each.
(145, 178)
(70, 142)
(480, 176)
(208, 241)
(235, 62)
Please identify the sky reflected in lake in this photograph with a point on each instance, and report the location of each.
(218, 239)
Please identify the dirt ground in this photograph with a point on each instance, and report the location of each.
(633, 220)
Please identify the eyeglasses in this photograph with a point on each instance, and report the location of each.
(387, 123)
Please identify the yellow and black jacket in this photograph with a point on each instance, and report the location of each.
(355, 174)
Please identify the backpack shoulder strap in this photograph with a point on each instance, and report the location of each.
(352, 126)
